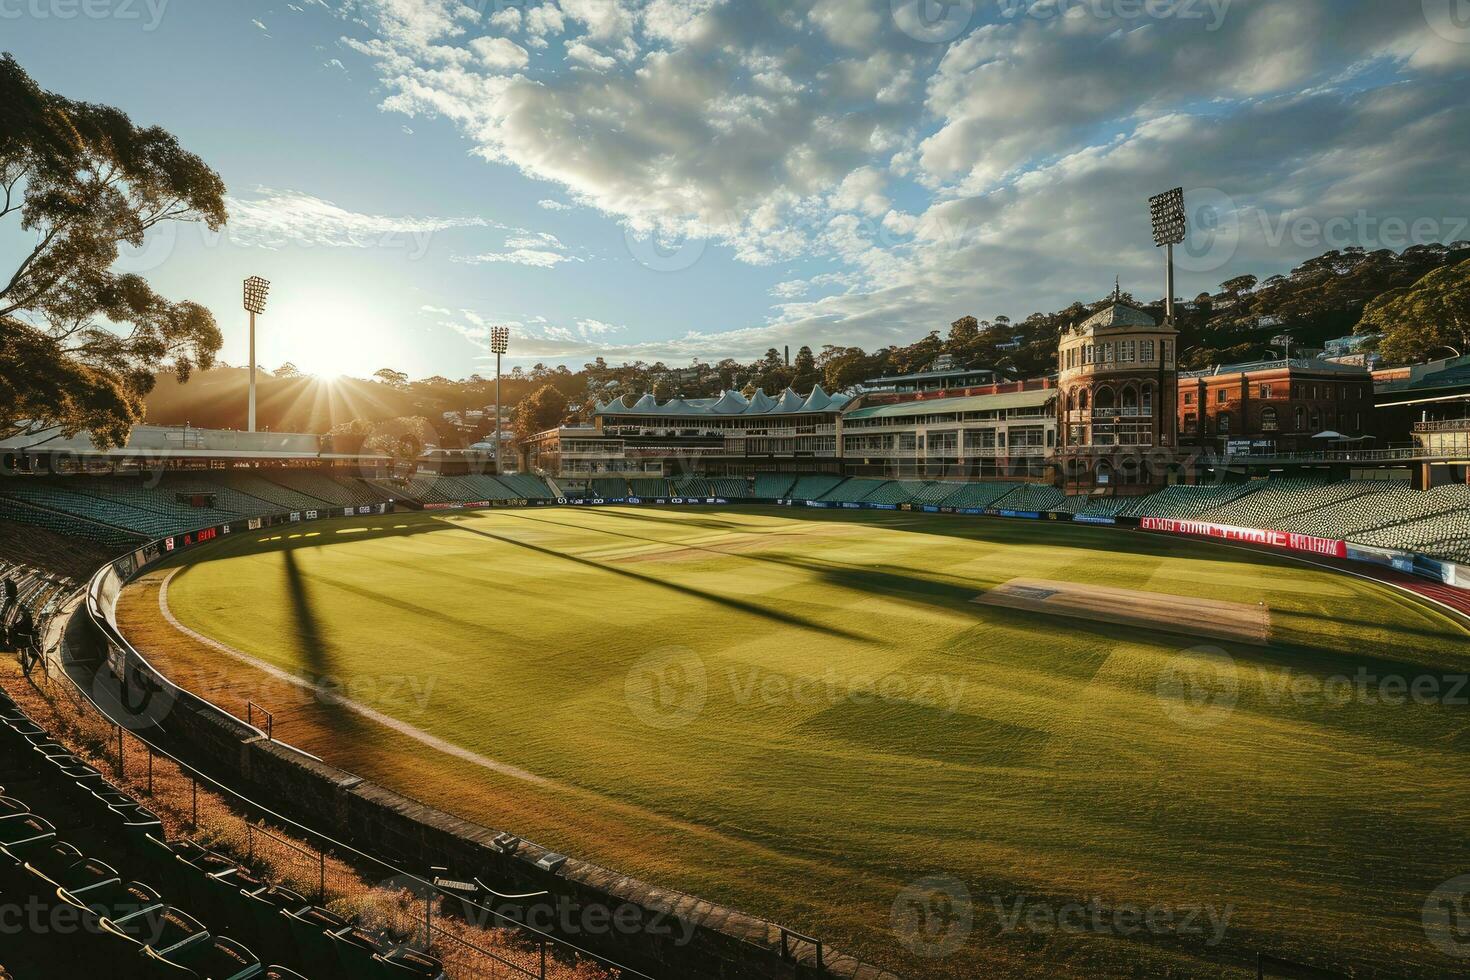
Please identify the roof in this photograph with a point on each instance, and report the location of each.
(730, 403)
(1296, 364)
(1426, 382)
(944, 406)
(1117, 315)
(923, 375)
(155, 440)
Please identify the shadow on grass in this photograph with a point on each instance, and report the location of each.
(320, 663)
(729, 602)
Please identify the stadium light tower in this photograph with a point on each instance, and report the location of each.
(1171, 224)
(499, 343)
(256, 289)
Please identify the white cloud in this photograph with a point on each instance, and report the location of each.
(277, 218)
(550, 205)
(500, 53)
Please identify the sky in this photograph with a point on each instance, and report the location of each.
(679, 179)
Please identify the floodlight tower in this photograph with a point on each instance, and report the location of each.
(499, 343)
(256, 289)
(1171, 224)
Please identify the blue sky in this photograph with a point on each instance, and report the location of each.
(670, 179)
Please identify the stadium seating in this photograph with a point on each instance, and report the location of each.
(730, 487)
(525, 486)
(340, 491)
(692, 486)
(773, 487)
(1187, 503)
(114, 538)
(891, 492)
(648, 487)
(69, 837)
(849, 491)
(812, 487)
(610, 488)
(977, 496)
(1032, 497)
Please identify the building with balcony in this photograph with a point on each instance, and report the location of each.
(1436, 396)
(994, 436)
(943, 374)
(1116, 404)
(729, 435)
(1280, 407)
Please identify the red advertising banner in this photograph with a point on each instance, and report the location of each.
(1251, 535)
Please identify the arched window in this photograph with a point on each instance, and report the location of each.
(1072, 400)
(1301, 418)
(1082, 399)
(1269, 422)
(1130, 399)
(1105, 398)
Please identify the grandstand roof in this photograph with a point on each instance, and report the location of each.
(181, 441)
(731, 403)
(1117, 315)
(1438, 380)
(973, 403)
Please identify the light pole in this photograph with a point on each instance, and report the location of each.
(1171, 223)
(255, 292)
(499, 343)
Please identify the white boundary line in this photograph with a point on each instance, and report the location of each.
(331, 697)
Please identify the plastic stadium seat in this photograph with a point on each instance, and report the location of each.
(309, 928)
(48, 862)
(215, 957)
(357, 951)
(274, 972)
(24, 829)
(160, 927)
(409, 964)
(263, 910)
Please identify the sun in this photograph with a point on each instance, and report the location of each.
(327, 335)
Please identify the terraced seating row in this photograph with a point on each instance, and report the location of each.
(526, 486)
(610, 488)
(812, 487)
(891, 492)
(1032, 497)
(773, 487)
(279, 497)
(1362, 511)
(649, 487)
(730, 487)
(65, 829)
(1187, 503)
(113, 538)
(977, 496)
(692, 486)
(340, 491)
(849, 491)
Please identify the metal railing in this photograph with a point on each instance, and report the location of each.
(1445, 425)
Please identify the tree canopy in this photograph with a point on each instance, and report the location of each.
(1419, 321)
(80, 345)
(543, 409)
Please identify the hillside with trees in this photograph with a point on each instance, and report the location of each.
(1417, 299)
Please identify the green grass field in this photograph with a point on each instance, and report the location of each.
(804, 714)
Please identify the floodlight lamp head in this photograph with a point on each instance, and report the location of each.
(256, 289)
(499, 339)
(1171, 222)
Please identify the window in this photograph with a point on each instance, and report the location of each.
(1107, 352)
(1088, 352)
(1130, 399)
(1148, 399)
(1191, 422)
(1222, 396)
(1127, 351)
(1222, 423)
(1316, 421)
(1189, 398)
(1268, 420)
(1301, 418)
(1146, 351)
(1168, 349)
(1265, 391)
(1104, 398)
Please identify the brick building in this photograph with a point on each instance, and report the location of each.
(1278, 406)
